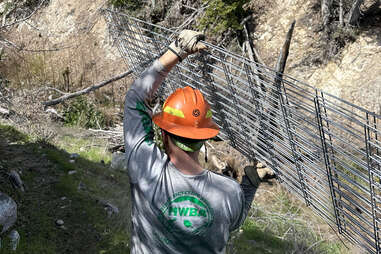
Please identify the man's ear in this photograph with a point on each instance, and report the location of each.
(165, 138)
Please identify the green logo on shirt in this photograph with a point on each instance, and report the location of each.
(146, 122)
(187, 212)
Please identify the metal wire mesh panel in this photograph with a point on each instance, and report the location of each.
(322, 148)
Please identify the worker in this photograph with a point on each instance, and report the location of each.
(177, 205)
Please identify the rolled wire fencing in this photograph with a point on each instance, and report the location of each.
(325, 150)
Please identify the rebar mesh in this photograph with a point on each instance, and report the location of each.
(322, 148)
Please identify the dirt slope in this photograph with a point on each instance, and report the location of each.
(67, 46)
(354, 75)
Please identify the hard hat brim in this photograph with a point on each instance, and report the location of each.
(205, 132)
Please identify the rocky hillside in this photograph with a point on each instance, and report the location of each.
(72, 37)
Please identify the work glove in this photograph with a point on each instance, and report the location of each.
(256, 175)
(186, 43)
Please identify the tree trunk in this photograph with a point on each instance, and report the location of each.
(326, 6)
(354, 13)
(341, 14)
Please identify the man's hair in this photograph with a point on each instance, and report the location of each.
(186, 144)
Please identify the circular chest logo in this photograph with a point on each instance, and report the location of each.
(188, 213)
(196, 113)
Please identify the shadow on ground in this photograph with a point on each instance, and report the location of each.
(53, 194)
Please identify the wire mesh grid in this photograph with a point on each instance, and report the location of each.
(325, 150)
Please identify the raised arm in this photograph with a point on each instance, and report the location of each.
(138, 131)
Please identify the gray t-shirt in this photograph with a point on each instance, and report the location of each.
(173, 212)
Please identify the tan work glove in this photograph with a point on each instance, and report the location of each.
(256, 175)
(187, 42)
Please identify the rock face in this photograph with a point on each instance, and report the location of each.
(8, 212)
(353, 75)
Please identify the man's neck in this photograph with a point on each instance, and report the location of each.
(186, 163)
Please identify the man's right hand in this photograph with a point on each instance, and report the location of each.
(187, 42)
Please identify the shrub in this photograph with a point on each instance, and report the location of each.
(223, 14)
(83, 113)
(127, 4)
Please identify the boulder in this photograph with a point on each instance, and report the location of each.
(8, 212)
(14, 238)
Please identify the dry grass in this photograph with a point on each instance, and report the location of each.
(280, 223)
(67, 56)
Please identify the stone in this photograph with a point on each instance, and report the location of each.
(54, 114)
(261, 165)
(81, 186)
(118, 161)
(72, 161)
(8, 212)
(60, 222)
(72, 172)
(109, 208)
(16, 181)
(74, 156)
(14, 237)
(4, 111)
(265, 173)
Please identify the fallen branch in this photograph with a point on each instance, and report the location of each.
(86, 90)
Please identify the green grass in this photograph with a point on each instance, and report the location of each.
(89, 229)
(91, 149)
(10, 134)
(254, 240)
(280, 223)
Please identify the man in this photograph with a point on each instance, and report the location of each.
(177, 206)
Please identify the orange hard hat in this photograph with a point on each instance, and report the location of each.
(187, 114)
